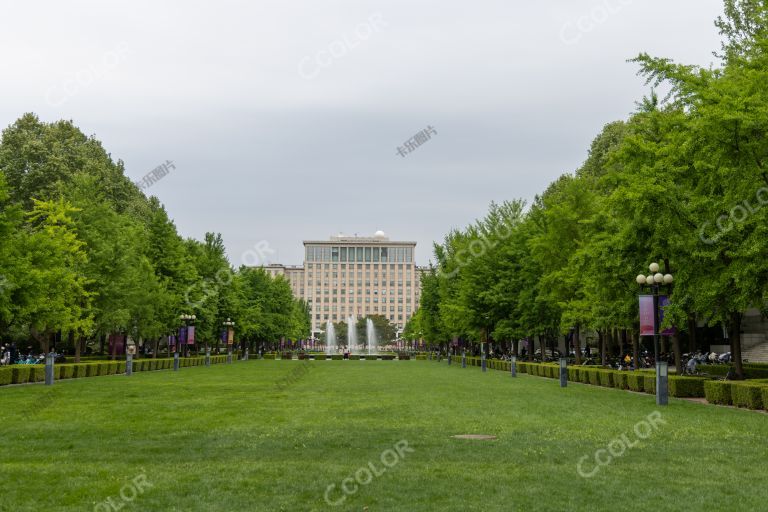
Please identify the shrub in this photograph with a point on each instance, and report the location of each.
(573, 374)
(79, 370)
(635, 381)
(111, 368)
(718, 392)
(6, 375)
(686, 386)
(104, 368)
(584, 375)
(620, 380)
(120, 367)
(36, 373)
(320, 357)
(649, 383)
(421, 357)
(63, 371)
(764, 391)
(606, 378)
(20, 374)
(269, 356)
(356, 357)
(746, 394)
(337, 357)
(91, 369)
(594, 376)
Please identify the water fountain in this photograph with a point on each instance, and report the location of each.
(370, 332)
(330, 338)
(352, 335)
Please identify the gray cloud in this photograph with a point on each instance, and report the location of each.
(263, 153)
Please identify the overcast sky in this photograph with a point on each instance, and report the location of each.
(283, 118)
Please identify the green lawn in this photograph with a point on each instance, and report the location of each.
(229, 438)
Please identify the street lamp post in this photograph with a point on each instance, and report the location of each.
(186, 319)
(655, 280)
(229, 324)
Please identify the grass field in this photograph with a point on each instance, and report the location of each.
(277, 435)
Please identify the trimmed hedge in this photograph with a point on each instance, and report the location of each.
(20, 374)
(718, 392)
(337, 357)
(635, 381)
(421, 357)
(320, 357)
(620, 380)
(683, 387)
(6, 375)
(606, 378)
(649, 384)
(746, 394)
(37, 373)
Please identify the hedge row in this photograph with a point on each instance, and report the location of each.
(749, 394)
(24, 373)
(751, 370)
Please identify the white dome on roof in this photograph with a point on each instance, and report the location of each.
(380, 234)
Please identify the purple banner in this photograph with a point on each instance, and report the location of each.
(646, 315)
(191, 335)
(664, 302)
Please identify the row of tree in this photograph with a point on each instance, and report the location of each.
(85, 254)
(685, 179)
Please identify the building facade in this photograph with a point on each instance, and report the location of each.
(352, 276)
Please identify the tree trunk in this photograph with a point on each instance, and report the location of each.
(114, 351)
(577, 344)
(515, 347)
(678, 353)
(156, 348)
(622, 343)
(601, 346)
(636, 349)
(735, 338)
(543, 346)
(75, 345)
(692, 341)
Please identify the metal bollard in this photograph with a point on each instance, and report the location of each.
(207, 356)
(513, 366)
(129, 364)
(49, 369)
(662, 377)
(563, 372)
(175, 361)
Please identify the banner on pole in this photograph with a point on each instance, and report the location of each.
(646, 315)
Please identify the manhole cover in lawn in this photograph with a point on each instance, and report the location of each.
(479, 437)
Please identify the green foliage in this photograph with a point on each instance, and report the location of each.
(686, 386)
(636, 381)
(6, 375)
(20, 374)
(745, 394)
(718, 392)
